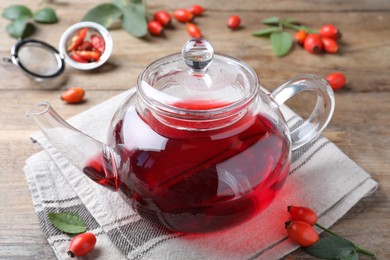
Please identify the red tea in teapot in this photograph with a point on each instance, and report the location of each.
(199, 181)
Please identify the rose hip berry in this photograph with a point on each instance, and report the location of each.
(163, 17)
(183, 15)
(330, 31)
(336, 80)
(193, 30)
(313, 43)
(155, 28)
(300, 37)
(329, 45)
(234, 22)
(73, 95)
(197, 10)
(82, 244)
(301, 233)
(302, 214)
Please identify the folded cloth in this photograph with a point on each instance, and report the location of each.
(321, 177)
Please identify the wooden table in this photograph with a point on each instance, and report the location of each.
(360, 126)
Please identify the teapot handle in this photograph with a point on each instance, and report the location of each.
(322, 113)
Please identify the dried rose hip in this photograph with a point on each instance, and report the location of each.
(78, 39)
(98, 43)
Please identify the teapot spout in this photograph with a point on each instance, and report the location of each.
(97, 160)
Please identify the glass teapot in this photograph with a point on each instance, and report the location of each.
(200, 146)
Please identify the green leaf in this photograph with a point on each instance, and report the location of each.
(271, 21)
(45, 15)
(281, 43)
(133, 20)
(352, 256)
(331, 247)
(68, 222)
(20, 28)
(14, 12)
(104, 14)
(266, 31)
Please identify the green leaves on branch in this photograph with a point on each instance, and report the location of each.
(281, 41)
(21, 17)
(68, 222)
(131, 13)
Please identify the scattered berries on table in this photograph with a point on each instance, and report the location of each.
(197, 10)
(155, 28)
(163, 17)
(193, 30)
(336, 80)
(234, 22)
(183, 15)
(73, 95)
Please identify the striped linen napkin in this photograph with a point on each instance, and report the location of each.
(321, 177)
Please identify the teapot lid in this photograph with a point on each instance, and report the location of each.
(198, 79)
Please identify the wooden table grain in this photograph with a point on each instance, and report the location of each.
(360, 126)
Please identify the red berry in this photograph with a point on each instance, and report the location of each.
(197, 10)
(313, 43)
(329, 45)
(234, 22)
(301, 233)
(82, 244)
(73, 95)
(303, 214)
(98, 43)
(183, 15)
(163, 17)
(300, 37)
(330, 31)
(336, 80)
(193, 30)
(155, 28)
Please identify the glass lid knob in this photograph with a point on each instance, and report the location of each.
(198, 54)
